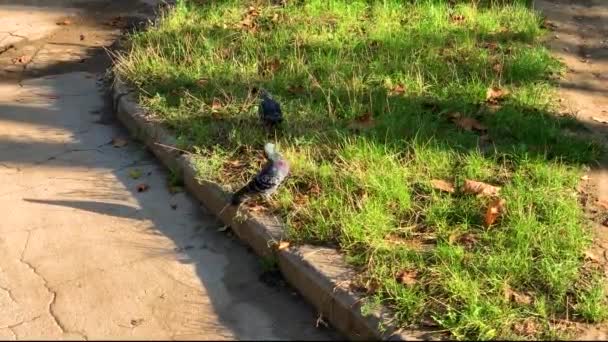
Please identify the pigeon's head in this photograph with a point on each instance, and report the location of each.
(271, 151)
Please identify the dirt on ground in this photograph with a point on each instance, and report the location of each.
(579, 38)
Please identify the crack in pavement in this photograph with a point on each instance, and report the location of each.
(13, 326)
(53, 293)
(10, 293)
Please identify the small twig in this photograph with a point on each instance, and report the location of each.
(172, 148)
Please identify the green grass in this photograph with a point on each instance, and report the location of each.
(369, 191)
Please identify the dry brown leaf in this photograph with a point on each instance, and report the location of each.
(142, 187)
(64, 22)
(603, 204)
(457, 18)
(526, 328)
(119, 142)
(364, 121)
(514, 296)
(600, 120)
(480, 188)
(466, 123)
(590, 256)
(407, 277)
(497, 67)
(216, 104)
(443, 185)
(490, 46)
(495, 94)
(283, 245)
(21, 60)
(398, 89)
(494, 210)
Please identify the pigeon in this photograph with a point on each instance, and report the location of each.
(269, 110)
(267, 181)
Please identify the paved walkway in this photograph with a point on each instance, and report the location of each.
(83, 254)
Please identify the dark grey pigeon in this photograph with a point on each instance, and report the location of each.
(269, 110)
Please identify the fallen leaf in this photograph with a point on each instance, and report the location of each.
(82, 37)
(398, 89)
(136, 322)
(495, 209)
(497, 67)
(295, 90)
(457, 18)
(526, 328)
(514, 296)
(495, 94)
(590, 256)
(600, 120)
(480, 188)
(443, 185)
(407, 277)
(466, 123)
(202, 81)
(142, 187)
(283, 245)
(135, 173)
(216, 104)
(364, 121)
(21, 60)
(64, 23)
(490, 46)
(548, 25)
(119, 142)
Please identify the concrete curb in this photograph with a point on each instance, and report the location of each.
(318, 273)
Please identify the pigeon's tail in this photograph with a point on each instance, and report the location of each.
(239, 196)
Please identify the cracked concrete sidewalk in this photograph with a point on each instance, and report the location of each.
(83, 254)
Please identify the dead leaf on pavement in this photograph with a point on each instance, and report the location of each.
(407, 277)
(600, 120)
(283, 245)
(135, 173)
(142, 187)
(443, 185)
(590, 256)
(119, 142)
(495, 209)
(495, 94)
(364, 121)
(136, 322)
(480, 188)
(514, 296)
(21, 60)
(398, 89)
